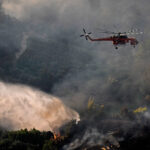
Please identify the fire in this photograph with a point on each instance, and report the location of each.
(105, 148)
(56, 136)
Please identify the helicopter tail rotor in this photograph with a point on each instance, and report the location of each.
(85, 34)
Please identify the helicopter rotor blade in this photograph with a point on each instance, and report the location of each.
(106, 31)
(134, 31)
(81, 35)
(84, 31)
(85, 34)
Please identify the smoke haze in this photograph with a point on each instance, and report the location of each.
(97, 139)
(23, 46)
(55, 59)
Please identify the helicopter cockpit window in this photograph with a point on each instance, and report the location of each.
(123, 36)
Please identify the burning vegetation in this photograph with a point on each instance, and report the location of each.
(41, 48)
(127, 130)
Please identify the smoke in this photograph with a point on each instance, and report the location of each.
(77, 69)
(81, 68)
(25, 107)
(115, 78)
(57, 60)
(91, 137)
(23, 45)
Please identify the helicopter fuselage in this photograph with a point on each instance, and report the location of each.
(117, 40)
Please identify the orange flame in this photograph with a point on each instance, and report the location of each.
(56, 136)
(105, 148)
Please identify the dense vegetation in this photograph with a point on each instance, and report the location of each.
(28, 140)
(136, 138)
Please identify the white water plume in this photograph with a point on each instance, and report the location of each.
(25, 107)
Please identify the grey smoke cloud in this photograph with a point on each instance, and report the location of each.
(23, 45)
(122, 12)
(91, 137)
(93, 64)
(114, 78)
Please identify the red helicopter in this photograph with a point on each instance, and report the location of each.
(119, 38)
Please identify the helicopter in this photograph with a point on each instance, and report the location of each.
(118, 38)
